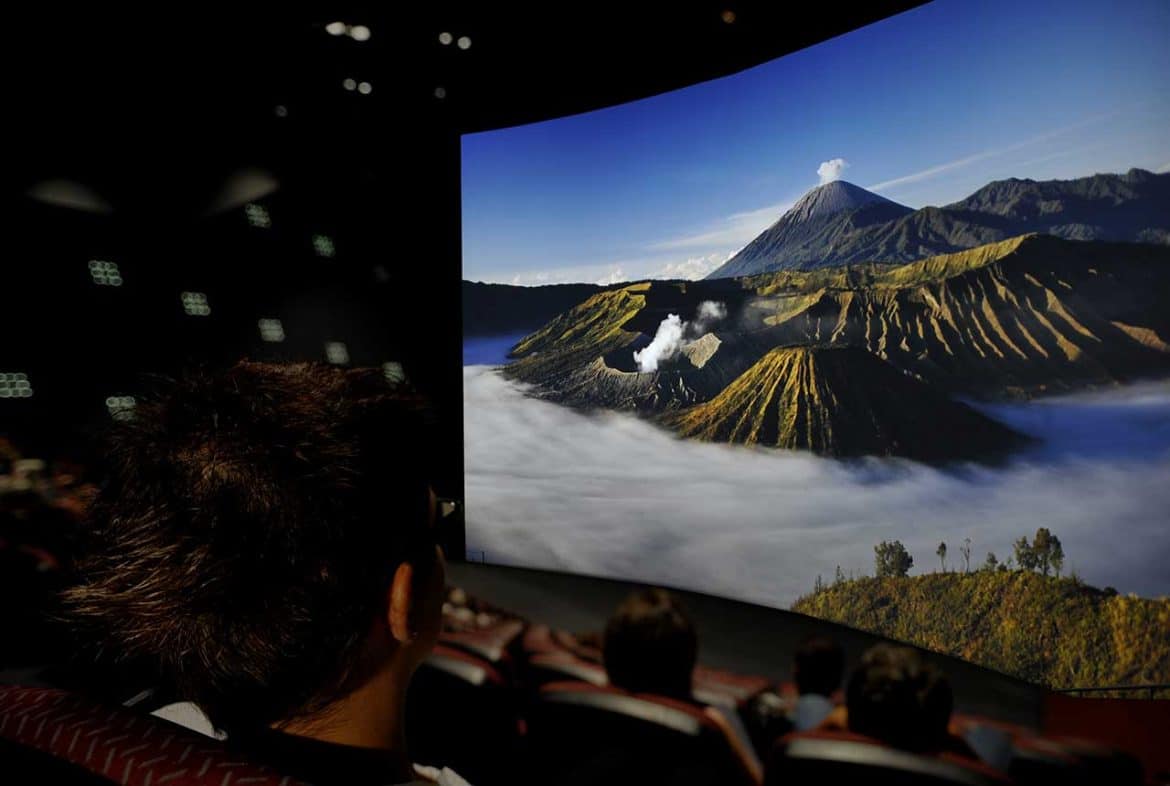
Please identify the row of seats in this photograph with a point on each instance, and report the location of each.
(501, 701)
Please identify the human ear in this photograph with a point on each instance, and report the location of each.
(400, 609)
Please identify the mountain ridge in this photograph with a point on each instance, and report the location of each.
(1129, 207)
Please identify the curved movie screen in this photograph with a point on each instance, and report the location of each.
(879, 331)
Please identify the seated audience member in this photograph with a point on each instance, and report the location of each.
(650, 646)
(896, 697)
(817, 671)
(263, 541)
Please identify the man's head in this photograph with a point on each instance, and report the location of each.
(263, 538)
(650, 645)
(818, 666)
(896, 697)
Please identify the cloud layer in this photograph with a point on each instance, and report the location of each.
(612, 495)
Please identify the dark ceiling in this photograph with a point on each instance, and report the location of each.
(145, 104)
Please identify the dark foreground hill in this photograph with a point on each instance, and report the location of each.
(1054, 631)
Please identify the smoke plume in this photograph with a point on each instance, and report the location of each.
(673, 335)
(832, 169)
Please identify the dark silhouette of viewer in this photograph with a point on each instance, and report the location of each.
(817, 670)
(650, 645)
(264, 541)
(896, 697)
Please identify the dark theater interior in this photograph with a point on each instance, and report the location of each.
(491, 393)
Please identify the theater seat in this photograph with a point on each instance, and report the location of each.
(62, 738)
(462, 713)
(844, 757)
(581, 733)
(1037, 760)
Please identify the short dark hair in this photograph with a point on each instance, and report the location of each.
(248, 529)
(898, 698)
(651, 645)
(819, 666)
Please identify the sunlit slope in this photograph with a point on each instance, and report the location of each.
(841, 402)
(1025, 316)
(1052, 631)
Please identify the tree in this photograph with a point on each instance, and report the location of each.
(891, 559)
(941, 551)
(1042, 550)
(819, 586)
(965, 550)
(1056, 556)
(991, 563)
(839, 577)
(1025, 556)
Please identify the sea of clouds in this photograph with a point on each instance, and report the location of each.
(610, 494)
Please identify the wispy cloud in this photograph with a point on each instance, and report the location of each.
(958, 163)
(693, 268)
(737, 229)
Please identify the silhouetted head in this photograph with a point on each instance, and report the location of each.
(650, 645)
(895, 697)
(818, 666)
(263, 539)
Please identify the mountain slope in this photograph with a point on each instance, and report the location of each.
(1057, 632)
(841, 402)
(817, 222)
(1133, 207)
(1026, 316)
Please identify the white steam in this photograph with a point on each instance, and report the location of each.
(832, 169)
(613, 495)
(673, 335)
(666, 344)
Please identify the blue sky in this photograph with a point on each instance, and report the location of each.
(924, 108)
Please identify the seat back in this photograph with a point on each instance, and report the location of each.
(462, 713)
(584, 733)
(844, 757)
(70, 739)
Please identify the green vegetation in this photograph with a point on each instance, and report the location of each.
(1024, 622)
(891, 559)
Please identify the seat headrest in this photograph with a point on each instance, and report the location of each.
(658, 710)
(119, 744)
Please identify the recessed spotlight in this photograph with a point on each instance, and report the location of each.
(464, 42)
(271, 330)
(105, 274)
(336, 353)
(359, 33)
(257, 215)
(393, 372)
(349, 84)
(365, 88)
(323, 245)
(195, 304)
(335, 28)
(15, 384)
(446, 38)
(121, 407)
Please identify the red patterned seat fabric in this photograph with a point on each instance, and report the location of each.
(125, 747)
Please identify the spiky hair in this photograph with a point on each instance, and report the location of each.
(248, 528)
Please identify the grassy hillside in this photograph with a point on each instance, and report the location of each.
(1057, 632)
